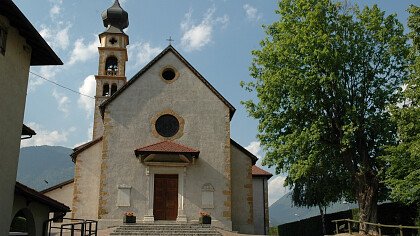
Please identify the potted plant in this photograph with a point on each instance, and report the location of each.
(129, 217)
(205, 218)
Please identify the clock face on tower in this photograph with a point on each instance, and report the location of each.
(167, 125)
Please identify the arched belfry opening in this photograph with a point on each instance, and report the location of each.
(111, 66)
(113, 88)
(105, 91)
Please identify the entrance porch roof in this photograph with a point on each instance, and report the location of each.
(167, 147)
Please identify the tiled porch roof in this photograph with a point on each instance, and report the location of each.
(167, 147)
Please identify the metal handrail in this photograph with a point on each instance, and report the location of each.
(400, 227)
(72, 228)
(87, 227)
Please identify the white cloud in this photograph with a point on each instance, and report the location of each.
(88, 138)
(252, 13)
(196, 36)
(90, 132)
(63, 102)
(46, 137)
(142, 52)
(255, 148)
(56, 8)
(56, 36)
(276, 190)
(89, 88)
(83, 52)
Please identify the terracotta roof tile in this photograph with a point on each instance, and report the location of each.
(256, 171)
(166, 147)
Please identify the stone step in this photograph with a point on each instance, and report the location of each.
(153, 232)
(167, 229)
(154, 229)
(164, 228)
(166, 233)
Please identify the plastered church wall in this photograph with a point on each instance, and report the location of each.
(86, 183)
(128, 123)
(242, 192)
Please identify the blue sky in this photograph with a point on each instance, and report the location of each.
(216, 37)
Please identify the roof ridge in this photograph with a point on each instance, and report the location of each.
(59, 185)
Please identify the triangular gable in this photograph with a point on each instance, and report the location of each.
(150, 64)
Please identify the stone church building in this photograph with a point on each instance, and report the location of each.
(161, 146)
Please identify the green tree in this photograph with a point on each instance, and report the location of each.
(324, 77)
(403, 174)
(316, 187)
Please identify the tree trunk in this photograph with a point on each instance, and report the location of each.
(367, 197)
(324, 231)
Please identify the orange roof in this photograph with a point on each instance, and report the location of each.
(256, 171)
(167, 147)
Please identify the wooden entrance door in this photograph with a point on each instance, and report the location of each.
(165, 204)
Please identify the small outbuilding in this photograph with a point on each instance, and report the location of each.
(31, 210)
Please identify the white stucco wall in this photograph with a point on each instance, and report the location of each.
(242, 203)
(64, 195)
(14, 69)
(86, 183)
(129, 125)
(259, 210)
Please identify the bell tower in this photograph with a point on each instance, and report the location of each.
(112, 59)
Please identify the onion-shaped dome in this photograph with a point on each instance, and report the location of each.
(115, 18)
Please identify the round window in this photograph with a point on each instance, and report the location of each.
(168, 74)
(167, 125)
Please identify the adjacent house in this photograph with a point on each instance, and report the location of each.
(21, 46)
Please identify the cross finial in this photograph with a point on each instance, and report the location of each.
(170, 40)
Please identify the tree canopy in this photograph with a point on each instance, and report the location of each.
(325, 77)
(403, 174)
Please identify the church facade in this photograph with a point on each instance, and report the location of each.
(161, 146)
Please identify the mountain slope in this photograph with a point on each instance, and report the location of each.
(38, 164)
(283, 211)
